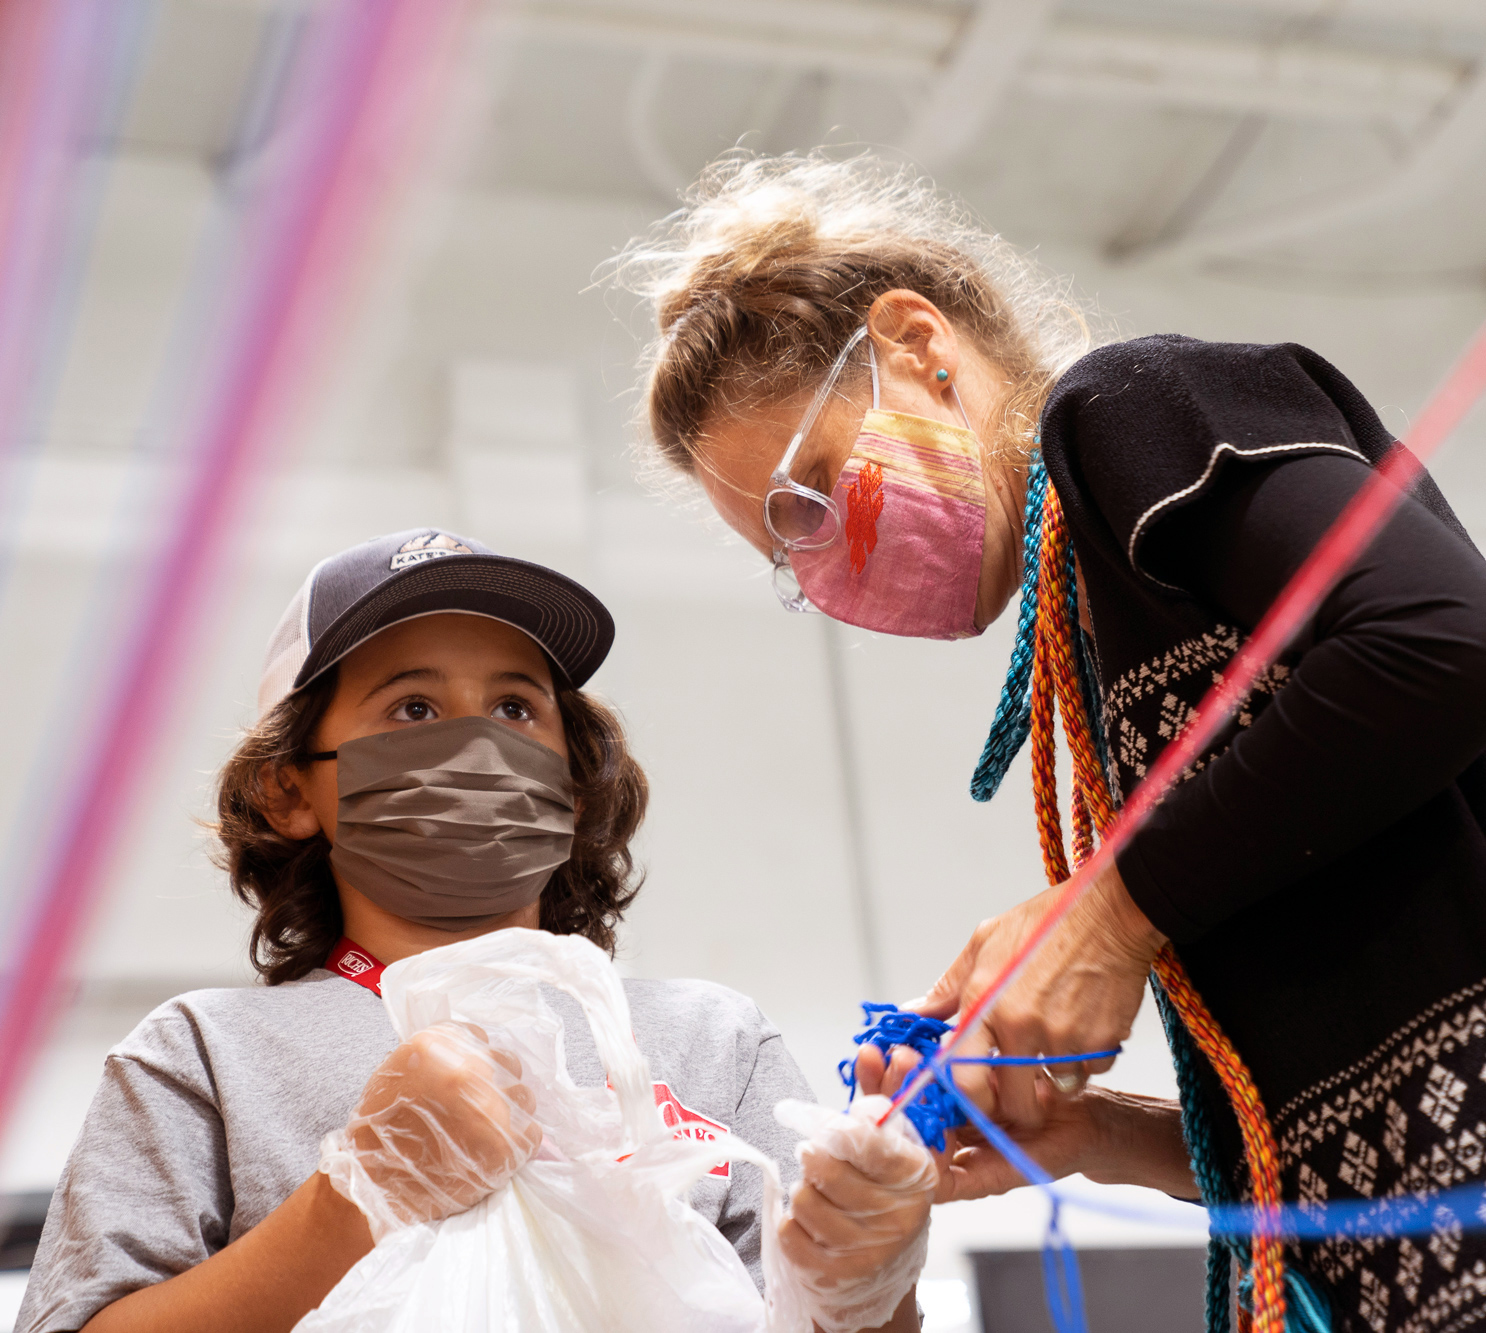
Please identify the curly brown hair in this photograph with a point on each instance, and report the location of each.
(289, 884)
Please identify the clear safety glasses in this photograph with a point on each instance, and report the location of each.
(799, 517)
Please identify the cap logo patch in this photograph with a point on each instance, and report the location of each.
(430, 547)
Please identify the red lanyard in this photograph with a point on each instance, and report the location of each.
(348, 959)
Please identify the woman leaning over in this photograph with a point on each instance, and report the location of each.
(882, 399)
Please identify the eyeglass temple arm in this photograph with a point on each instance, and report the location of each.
(781, 473)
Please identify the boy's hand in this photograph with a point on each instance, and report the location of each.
(443, 1122)
(1065, 1140)
(858, 1227)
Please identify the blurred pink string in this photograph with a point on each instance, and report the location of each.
(367, 83)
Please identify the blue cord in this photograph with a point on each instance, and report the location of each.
(941, 1107)
(1060, 1278)
(1013, 721)
(938, 1107)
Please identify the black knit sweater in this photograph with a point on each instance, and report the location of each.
(1322, 871)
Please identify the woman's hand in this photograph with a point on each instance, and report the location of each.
(1079, 991)
(857, 1230)
(442, 1123)
(1114, 1138)
(1068, 1138)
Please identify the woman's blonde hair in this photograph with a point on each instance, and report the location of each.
(772, 263)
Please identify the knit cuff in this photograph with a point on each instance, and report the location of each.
(1148, 894)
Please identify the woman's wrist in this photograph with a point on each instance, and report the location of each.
(1129, 929)
(1137, 1140)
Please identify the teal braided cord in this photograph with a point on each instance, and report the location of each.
(1013, 721)
(1306, 1311)
(1197, 1131)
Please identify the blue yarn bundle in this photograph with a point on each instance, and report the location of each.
(935, 1109)
(938, 1107)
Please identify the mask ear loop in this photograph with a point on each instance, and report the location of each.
(964, 415)
(877, 389)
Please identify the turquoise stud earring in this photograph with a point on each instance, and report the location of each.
(941, 375)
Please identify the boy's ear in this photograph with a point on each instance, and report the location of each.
(285, 808)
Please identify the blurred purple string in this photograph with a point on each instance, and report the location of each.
(366, 81)
(66, 70)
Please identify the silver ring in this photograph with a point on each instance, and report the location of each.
(1067, 1082)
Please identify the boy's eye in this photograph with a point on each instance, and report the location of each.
(413, 710)
(512, 710)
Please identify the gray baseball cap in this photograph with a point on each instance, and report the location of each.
(349, 597)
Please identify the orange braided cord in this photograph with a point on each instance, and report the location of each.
(1083, 825)
(1054, 595)
(1055, 674)
(1253, 1124)
(1044, 748)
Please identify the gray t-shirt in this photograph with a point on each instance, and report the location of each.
(211, 1112)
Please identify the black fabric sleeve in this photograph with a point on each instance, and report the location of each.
(1384, 708)
(1137, 432)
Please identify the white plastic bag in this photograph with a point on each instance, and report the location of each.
(593, 1233)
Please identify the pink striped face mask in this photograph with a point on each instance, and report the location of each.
(897, 545)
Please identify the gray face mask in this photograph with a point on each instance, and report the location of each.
(451, 823)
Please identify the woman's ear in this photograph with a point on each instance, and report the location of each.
(911, 331)
(288, 813)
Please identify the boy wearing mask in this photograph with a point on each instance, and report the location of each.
(425, 769)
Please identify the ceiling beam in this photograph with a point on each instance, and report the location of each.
(983, 64)
(893, 39)
(1298, 80)
(1441, 160)
(958, 66)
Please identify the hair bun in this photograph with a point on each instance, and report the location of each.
(771, 263)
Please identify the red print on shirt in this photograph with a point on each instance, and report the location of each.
(688, 1124)
(863, 506)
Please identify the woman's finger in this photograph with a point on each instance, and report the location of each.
(1016, 1096)
(977, 1172)
(1067, 1080)
(905, 1060)
(870, 1070)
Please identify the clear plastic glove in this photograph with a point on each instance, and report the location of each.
(444, 1122)
(858, 1227)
